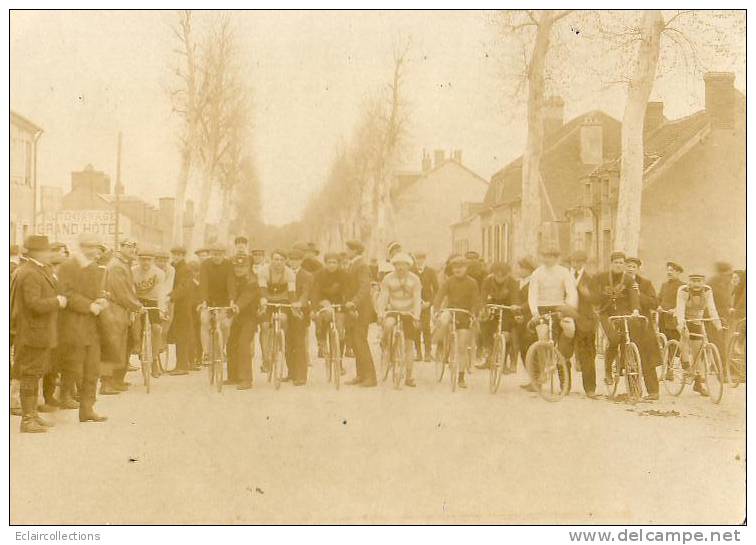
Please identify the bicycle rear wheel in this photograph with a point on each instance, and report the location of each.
(673, 373)
(453, 363)
(278, 360)
(714, 373)
(633, 373)
(397, 357)
(736, 363)
(496, 364)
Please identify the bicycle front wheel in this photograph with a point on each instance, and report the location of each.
(548, 370)
(218, 360)
(278, 360)
(633, 374)
(496, 364)
(397, 363)
(147, 358)
(453, 363)
(329, 357)
(439, 359)
(714, 373)
(736, 362)
(673, 373)
(335, 344)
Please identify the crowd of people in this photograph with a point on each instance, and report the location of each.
(78, 316)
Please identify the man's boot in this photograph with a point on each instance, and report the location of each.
(28, 423)
(106, 387)
(87, 414)
(461, 381)
(700, 387)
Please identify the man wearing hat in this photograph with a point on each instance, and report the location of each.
(585, 323)
(401, 291)
(615, 296)
(240, 245)
(297, 353)
(215, 273)
(386, 267)
(35, 303)
(522, 336)
(429, 280)
(82, 282)
(162, 262)
(476, 269)
(310, 261)
(695, 300)
(180, 331)
(244, 323)
(329, 287)
(647, 345)
(202, 253)
(359, 299)
(149, 284)
(258, 260)
(117, 318)
(668, 301)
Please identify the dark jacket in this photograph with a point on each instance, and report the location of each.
(668, 301)
(429, 281)
(614, 294)
(586, 319)
(330, 286)
(358, 291)
(646, 296)
(34, 306)
(81, 284)
(721, 288)
(216, 283)
(247, 298)
(311, 265)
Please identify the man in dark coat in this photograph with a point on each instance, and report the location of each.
(522, 336)
(429, 281)
(34, 308)
(358, 299)
(647, 345)
(297, 334)
(585, 331)
(668, 300)
(244, 323)
(81, 282)
(181, 332)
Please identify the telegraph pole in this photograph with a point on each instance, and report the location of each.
(118, 194)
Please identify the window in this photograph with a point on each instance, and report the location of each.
(605, 193)
(587, 194)
(588, 244)
(607, 235)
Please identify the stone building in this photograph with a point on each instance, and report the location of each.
(24, 137)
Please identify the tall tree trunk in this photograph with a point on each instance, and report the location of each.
(180, 203)
(628, 222)
(530, 212)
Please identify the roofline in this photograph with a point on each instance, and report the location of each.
(28, 124)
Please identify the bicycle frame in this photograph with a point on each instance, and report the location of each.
(216, 365)
(622, 348)
(274, 331)
(333, 354)
(397, 333)
(147, 354)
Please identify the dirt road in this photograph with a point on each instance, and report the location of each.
(185, 454)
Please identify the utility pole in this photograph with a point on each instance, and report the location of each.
(118, 194)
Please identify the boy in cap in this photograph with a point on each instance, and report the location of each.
(647, 344)
(216, 274)
(35, 303)
(401, 290)
(695, 300)
(668, 301)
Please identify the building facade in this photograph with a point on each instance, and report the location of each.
(24, 137)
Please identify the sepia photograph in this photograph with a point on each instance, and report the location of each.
(377, 267)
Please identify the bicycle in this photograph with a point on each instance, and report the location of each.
(396, 364)
(448, 353)
(501, 358)
(661, 338)
(628, 361)
(276, 344)
(706, 362)
(215, 369)
(333, 352)
(735, 370)
(544, 362)
(146, 356)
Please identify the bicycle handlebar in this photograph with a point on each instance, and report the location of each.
(696, 320)
(455, 310)
(150, 308)
(399, 312)
(628, 317)
(664, 311)
(502, 307)
(211, 309)
(330, 308)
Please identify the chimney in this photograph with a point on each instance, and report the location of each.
(591, 142)
(426, 162)
(553, 115)
(438, 157)
(654, 116)
(720, 98)
(457, 156)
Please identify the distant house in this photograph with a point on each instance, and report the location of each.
(24, 135)
(694, 188)
(426, 202)
(571, 151)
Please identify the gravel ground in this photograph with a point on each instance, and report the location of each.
(186, 454)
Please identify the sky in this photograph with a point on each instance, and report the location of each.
(85, 76)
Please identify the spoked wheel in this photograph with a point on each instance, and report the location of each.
(269, 356)
(335, 353)
(278, 360)
(386, 363)
(633, 374)
(714, 373)
(496, 367)
(453, 363)
(736, 362)
(329, 357)
(146, 357)
(548, 370)
(217, 361)
(672, 372)
(661, 341)
(439, 359)
(615, 375)
(397, 357)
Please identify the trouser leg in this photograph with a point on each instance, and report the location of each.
(585, 352)
(89, 376)
(244, 351)
(232, 349)
(363, 357)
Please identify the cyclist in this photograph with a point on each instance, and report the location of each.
(647, 344)
(499, 288)
(615, 295)
(149, 281)
(215, 291)
(429, 280)
(668, 300)
(552, 288)
(278, 284)
(297, 349)
(244, 323)
(401, 291)
(694, 300)
(459, 291)
(329, 287)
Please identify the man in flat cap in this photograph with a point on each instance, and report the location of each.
(149, 284)
(243, 324)
(117, 318)
(585, 331)
(35, 303)
(668, 301)
(359, 299)
(216, 274)
(297, 351)
(310, 261)
(429, 279)
(181, 331)
(647, 344)
(82, 282)
(240, 245)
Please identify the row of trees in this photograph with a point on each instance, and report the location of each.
(213, 102)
